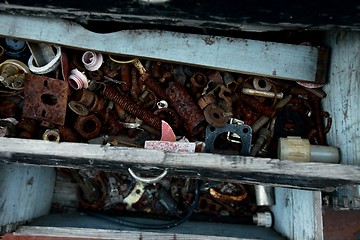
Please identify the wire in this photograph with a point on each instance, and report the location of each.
(118, 61)
(167, 225)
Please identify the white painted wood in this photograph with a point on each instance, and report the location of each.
(278, 60)
(298, 214)
(343, 99)
(65, 154)
(26, 192)
(343, 103)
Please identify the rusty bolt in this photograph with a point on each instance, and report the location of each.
(88, 126)
(165, 77)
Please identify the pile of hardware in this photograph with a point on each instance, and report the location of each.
(67, 95)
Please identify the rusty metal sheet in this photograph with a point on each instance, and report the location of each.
(45, 99)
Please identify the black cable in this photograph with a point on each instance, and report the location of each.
(167, 225)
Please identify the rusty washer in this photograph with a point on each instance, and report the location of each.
(189, 111)
(216, 116)
(78, 108)
(88, 126)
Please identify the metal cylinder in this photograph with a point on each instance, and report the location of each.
(189, 111)
(264, 195)
(258, 93)
(85, 97)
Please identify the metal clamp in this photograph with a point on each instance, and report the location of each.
(148, 180)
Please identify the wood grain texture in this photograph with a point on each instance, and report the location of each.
(298, 214)
(343, 99)
(277, 60)
(188, 230)
(232, 167)
(343, 103)
(26, 192)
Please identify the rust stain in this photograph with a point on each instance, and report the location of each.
(45, 99)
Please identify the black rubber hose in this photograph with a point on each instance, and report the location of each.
(167, 225)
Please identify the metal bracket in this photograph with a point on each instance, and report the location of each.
(45, 99)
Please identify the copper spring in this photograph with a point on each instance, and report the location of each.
(132, 108)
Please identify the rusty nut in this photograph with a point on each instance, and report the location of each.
(51, 135)
(88, 126)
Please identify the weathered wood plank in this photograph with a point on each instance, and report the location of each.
(277, 60)
(343, 102)
(246, 169)
(257, 15)
(343, 99)
(298, 214)
(76, 225)
(25, 192)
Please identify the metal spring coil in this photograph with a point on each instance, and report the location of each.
(132, 108)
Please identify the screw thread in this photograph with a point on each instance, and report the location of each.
(131, 107)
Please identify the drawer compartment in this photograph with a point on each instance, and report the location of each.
(247, 170)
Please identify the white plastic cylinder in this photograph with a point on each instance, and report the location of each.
(298, 149)
(92, 61)
(294, 148)
(324, 154)
(78, 80)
